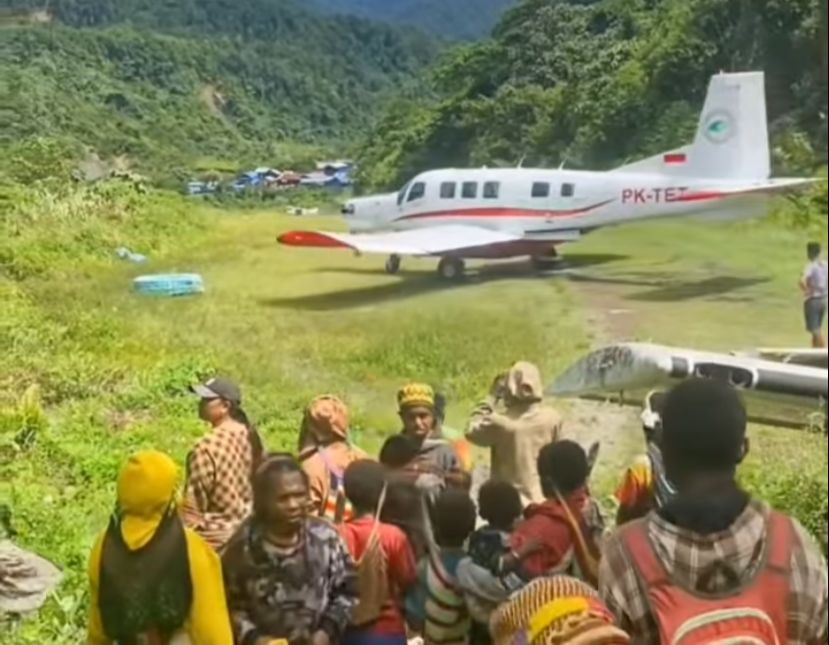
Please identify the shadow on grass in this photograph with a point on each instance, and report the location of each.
(671, 288)
(569, 262)
(366, 296)
(413, 283)
(708, 288)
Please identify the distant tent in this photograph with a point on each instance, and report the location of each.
(323, 180)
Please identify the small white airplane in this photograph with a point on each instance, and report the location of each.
(490, 213)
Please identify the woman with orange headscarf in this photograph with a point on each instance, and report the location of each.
(325, 453)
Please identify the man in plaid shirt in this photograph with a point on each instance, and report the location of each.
(712, 539)
(218, 493)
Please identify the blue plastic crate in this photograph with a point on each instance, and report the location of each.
(172, 284)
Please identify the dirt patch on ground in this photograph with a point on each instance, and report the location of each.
(616, 428)
(608, 314)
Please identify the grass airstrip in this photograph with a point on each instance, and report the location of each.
(289, 324)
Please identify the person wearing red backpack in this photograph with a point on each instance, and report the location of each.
(713, 564)
(386, 567)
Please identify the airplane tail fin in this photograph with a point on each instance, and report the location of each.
(732, 140)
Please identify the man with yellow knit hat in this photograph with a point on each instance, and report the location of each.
(435, 455)
(152, 580)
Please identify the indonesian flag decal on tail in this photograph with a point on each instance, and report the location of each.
(675, 158)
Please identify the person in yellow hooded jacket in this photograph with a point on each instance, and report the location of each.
(152, 580)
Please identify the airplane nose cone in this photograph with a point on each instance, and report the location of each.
(347, 209)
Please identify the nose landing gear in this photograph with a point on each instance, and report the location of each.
(393, 264)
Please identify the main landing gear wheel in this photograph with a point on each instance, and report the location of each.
(548, 262)
(451, 268)
(393, 264)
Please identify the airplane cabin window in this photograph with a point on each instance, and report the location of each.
(491, 189)
(447, 190)
(417, 191)
(469, 190)
(568, 190)
(541, 189)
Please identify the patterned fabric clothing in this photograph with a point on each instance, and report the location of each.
(436, 604)
(218, 493)
(483, 580)
(645, 485)
(487, 548)
(555, 611)
(690, 558)
(289, 594)
(636, 490)
(325, 468)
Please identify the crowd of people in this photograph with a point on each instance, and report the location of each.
(330, 546)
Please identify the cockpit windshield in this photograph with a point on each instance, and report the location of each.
(402, 194)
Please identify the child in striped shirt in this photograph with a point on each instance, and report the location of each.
(436, 606)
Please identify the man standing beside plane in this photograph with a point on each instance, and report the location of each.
(813, 283)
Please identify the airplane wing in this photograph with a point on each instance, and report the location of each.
(776, 393)
(433, 240)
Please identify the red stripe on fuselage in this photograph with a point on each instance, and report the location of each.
(710, 195)
(496, 212)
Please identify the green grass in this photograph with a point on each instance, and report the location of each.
(110, 368)
(732, 286)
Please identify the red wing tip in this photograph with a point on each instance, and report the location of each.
(308, 238)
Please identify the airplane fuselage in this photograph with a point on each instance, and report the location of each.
(540, 206)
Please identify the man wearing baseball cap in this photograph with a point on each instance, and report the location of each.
(219, 468)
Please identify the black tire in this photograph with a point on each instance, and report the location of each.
(393, 264)
(550, 262)
(451, 268)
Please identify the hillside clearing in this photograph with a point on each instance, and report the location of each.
(290, 324)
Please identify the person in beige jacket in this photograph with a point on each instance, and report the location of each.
(515, 424)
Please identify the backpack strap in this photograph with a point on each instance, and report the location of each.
(652, 572)
(329, 465)
(780, 543)
(589, 559)
(335, 484)
(375, 529)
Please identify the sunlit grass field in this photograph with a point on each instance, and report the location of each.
(289, 324)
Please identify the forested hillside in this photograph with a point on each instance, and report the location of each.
(461, 19)
(594, 84)
(168, 83)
